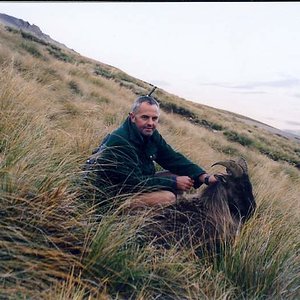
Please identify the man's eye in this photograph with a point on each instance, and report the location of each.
(144, 117)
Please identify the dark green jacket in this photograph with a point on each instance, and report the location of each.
(124, 163)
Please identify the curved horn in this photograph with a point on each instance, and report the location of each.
(231, 167)
(242, 162)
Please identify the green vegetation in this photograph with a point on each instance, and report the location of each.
(54, 245)
(74, 87)
(189, 115)
(238, 138)
(59, 54)
(32, 49)
(29, 36)
(13, 30)
(264, 147)
(103, 72)
(129, 82)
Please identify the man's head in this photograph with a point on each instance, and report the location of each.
(145, 114)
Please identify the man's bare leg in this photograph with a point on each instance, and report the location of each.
(157, 199)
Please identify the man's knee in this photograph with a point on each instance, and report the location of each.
(153, 199)
(167, 198)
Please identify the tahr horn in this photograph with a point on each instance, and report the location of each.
(232, 167)
(242, 162)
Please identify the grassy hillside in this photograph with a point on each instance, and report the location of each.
(56, 106)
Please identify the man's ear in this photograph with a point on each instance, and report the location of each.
(131, 116)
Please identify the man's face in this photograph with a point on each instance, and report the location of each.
(146, 118)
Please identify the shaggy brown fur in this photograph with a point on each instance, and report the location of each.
(207, 221)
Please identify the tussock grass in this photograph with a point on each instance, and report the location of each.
(35, 192)
(54, 244)
(261, 267)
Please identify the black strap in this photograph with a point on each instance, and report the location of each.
(206, 180)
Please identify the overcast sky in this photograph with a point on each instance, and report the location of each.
(239, 56)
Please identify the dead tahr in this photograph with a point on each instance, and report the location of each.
(207, 221)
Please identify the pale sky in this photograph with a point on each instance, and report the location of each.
(239, 56)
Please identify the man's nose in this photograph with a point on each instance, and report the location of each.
(150, 121)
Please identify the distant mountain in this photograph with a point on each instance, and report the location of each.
(21, 25)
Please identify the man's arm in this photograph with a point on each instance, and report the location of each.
(189, 173)
(177, 163)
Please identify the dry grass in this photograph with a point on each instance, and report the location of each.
(53, 114)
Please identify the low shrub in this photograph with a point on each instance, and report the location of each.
(31, 37)
(31, 49)
(233, 136)
(13, 30)
(73, 85)
(103, 72)
(59, 54)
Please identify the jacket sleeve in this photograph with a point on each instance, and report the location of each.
(177, 163)
(118, 165)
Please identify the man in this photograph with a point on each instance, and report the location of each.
(124, 162)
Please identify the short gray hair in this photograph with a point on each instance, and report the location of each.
(137, 103)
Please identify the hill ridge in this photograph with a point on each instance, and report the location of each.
(25, 26)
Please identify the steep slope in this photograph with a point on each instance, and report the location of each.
(55, 107)
(249, 133)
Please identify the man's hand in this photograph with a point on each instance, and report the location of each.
(184, 183)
